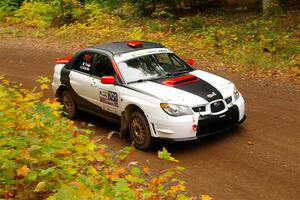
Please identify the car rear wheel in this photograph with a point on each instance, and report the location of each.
(139, 131)
(69, 105)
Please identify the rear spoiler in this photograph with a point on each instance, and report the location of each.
(63, 60)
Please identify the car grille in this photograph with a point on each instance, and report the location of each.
(217, 106)
(215, 123)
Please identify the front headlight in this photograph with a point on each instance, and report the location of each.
(176, 110)
(236, 94)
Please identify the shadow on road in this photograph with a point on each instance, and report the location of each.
(200, 143)
(103, 127)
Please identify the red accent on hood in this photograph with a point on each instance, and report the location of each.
(63, 60)
(181, 80)
(134, 44)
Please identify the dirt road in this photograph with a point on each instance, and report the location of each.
(224, 166)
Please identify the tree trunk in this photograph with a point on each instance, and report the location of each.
(153, 5)
(271, 7)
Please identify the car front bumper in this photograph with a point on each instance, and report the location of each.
(188, 128)
(208, 133)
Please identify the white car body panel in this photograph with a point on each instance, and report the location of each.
(148, 95)
(169, 94)
(77, 80)
(56, 77)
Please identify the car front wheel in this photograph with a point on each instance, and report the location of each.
(69, 105)
(139, 131)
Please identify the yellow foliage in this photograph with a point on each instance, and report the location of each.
(23, 171)
(206, 197)
(5, 81)
(40, 186)
(63, 152)
(39, 146)
(35, 14)
(44, 87)
(76, 184)
(100, 25)
(175, 189)
(55, 105)
(156, 181)
(145, 169)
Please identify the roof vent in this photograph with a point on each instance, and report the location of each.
(135, 44)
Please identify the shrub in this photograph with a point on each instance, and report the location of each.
(69, 11)
(95, 22)
(189, 24)
(127, 11)
(7, 7)
(44, 155)
(162, 13)
(35, 14)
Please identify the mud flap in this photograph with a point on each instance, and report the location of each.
(124, 125)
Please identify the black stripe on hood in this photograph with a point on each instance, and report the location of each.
(200, 88)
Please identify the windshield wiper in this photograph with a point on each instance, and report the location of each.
(146, 79)
(176, 73)
(139, 80)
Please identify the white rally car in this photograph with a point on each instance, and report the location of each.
(150, 90)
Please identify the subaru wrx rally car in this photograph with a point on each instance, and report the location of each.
(151, 91)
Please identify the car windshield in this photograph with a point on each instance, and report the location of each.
(152, 66)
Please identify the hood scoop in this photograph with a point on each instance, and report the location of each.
(181, 80)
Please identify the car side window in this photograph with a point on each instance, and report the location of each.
(83, 62)
(102, 66)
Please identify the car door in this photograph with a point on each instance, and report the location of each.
(80, 75)
(105, 95)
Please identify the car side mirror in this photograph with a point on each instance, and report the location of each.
(108, 80)
(190, 61)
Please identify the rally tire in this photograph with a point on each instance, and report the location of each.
(69, 105)
(139, 131)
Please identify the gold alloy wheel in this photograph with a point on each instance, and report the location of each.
(67, 103)
(138, 130)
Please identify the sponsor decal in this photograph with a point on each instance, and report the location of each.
(87, 57)
(139, 53)
(211, 95)
(86, 64)
(108, 97)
